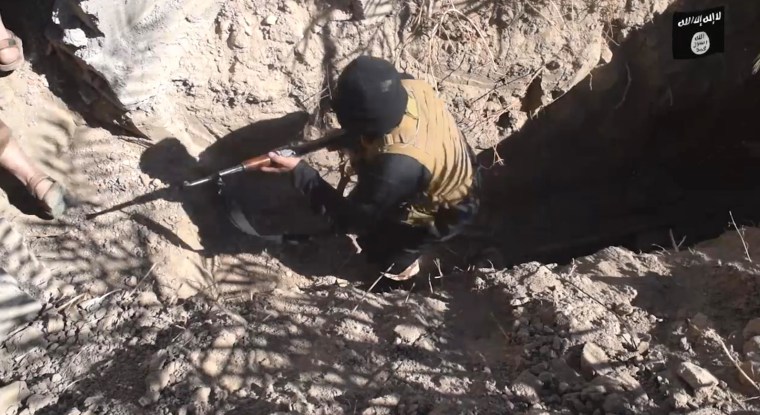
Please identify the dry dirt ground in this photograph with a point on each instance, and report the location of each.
(163, 308)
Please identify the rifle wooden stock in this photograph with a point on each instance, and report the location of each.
(332, 141)
(256, 163)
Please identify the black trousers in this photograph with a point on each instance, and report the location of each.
(395, 245)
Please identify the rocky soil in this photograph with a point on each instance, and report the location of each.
(615, 332)
(164, 308)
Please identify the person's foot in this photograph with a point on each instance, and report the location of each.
(11, 52)
(411, 271)
(49, 193)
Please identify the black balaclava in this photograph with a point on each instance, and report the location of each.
(370, 99)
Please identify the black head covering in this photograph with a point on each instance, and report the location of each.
(370, 99)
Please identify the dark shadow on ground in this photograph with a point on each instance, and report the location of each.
(270, 201)
(18, 196)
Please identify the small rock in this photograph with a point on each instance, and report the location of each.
(516, 302)
(752, 328)
(68, 290)
(554, 399)
(55, 324)
(615, 403)
(594, 392)
(623, 309)
(545, 377)
(563, 387)
(680, 399)
(100, 313)
(131, 282)
(84, 332)
(606, 55)
(160, 378)
(564, 373)
(231, 383)
(227, 338)
(752, 369)
(623, 383)
(700, 380)
(28, 337)
(38, 401)
(752, 348)
(109, 320)
(148, 299)
(11, 396)
(701, 321)
(685, 344)
(409, 334)
(201, 395)
(527, 387)
(523, 334)
(92, 401)
(149, 398)
(578, 405)
(271, 20)
(56, 378)
(593, 360)
(557, 343)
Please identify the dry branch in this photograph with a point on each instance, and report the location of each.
(730, 357)
(741, 237)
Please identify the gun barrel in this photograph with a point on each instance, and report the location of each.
(231, 170)
(197, 182)
(256, 163)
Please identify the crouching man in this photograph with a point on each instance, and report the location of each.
(416, 175)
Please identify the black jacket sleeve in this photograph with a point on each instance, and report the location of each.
(382, 187)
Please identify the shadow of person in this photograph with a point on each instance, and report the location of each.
(268, 200)
(19, 197)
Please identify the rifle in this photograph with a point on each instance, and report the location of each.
(161, 193)
(331, 141)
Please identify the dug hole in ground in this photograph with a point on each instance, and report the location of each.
(613, 271)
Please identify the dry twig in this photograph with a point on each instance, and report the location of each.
(67, 304)
(676, 246)
(89, 303)
(369, 290)
(717, 338)
(741, 237)
(144, 277)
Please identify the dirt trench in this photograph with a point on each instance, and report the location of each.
(646, 152)
(164, 308)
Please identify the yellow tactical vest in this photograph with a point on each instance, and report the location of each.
(429, 134)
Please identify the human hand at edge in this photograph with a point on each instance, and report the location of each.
(280, 164)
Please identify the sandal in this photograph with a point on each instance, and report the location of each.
(411, 271)
(12, 42)
(52, 201)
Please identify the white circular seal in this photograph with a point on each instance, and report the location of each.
(700, 43)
